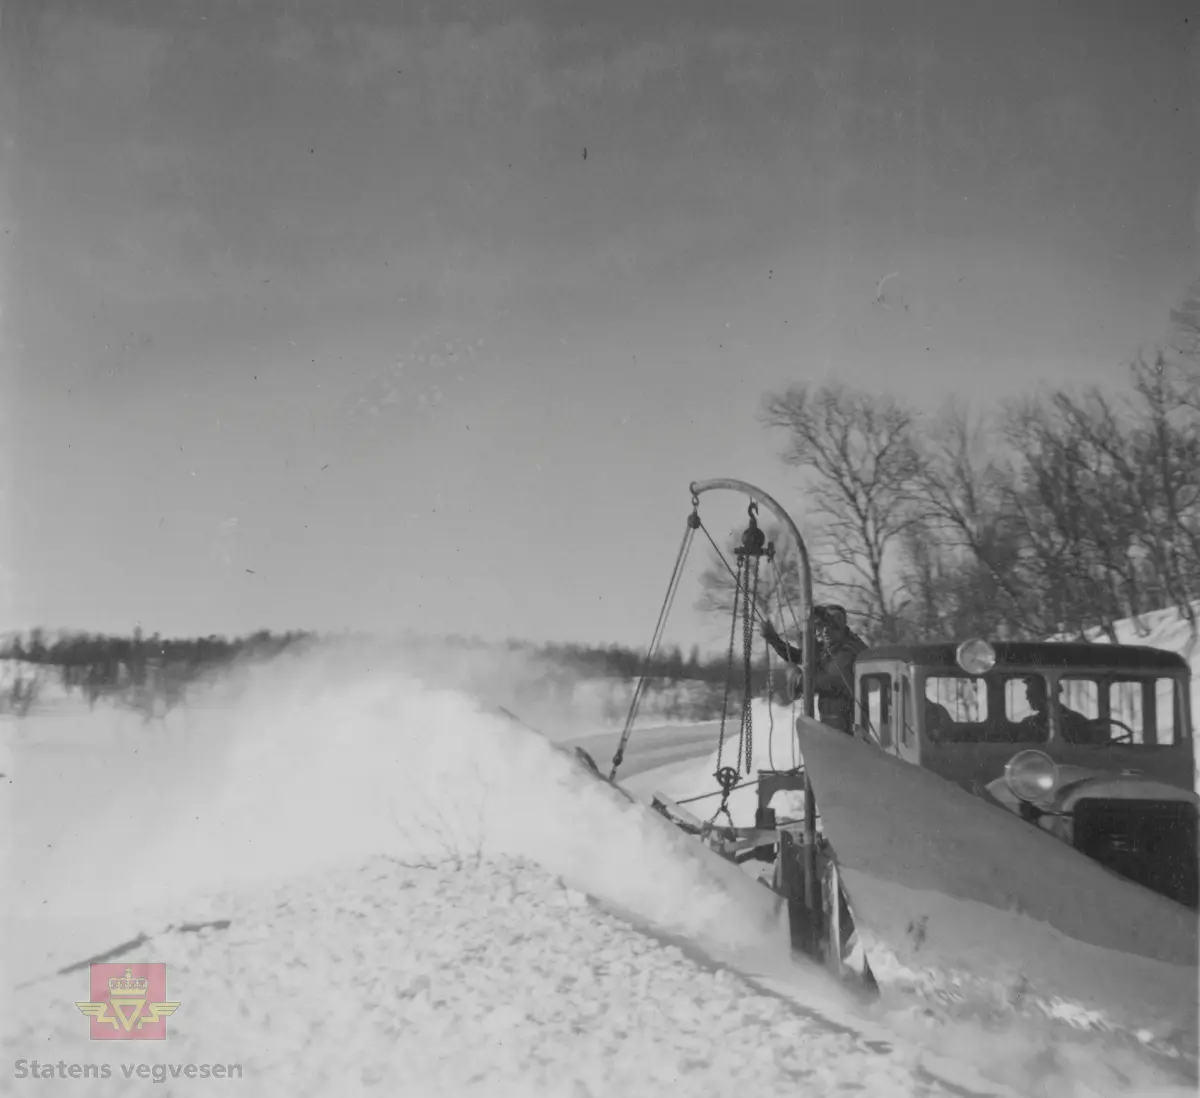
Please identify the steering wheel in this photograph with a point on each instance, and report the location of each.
(1126, 738)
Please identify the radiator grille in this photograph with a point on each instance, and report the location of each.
(1151, 842)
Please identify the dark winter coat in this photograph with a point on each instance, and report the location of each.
(833, 679)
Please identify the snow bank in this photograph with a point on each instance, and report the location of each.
(493, 980)
(319, 772)
(1165, 628)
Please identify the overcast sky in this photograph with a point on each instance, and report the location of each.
(378, 315)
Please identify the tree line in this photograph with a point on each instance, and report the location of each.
(1058, 513)
(145, 673)
(153, 673)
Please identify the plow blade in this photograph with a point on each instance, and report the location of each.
(577, 754)
(763, 910)
(957, 897)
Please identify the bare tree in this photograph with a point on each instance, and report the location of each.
(1109, 498)
(1069, 528)
(859, 454)
(1185, 320)
(1166, 448)
(1061, 514)
(964, 549)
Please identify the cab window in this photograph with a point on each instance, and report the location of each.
(965, 709)
(907, 735)
(1016, 707)
(1168, 711)
(875, 706)
(1150, 709)
(1126, 706)
(1081, 696)
(964, 700)
(1022, 721)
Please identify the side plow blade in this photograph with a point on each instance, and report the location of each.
(955, 896)
(578, 754)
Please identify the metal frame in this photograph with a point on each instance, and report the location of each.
(728, 484)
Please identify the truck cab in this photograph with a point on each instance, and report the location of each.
(1091, 742)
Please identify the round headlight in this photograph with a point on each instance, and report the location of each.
(1031, 775)
(976, 657)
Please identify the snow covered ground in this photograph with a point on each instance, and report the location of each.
(487, 979)
(422, 898)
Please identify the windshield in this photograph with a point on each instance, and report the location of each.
(1096, 708)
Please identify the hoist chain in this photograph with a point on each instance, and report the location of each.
(745, 596)
(747, 668)
(737, 592)
(727, 778)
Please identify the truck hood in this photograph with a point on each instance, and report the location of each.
(1076, 783)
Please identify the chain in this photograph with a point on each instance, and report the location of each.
(745, 597)
(747, 663)
(737, 591)
(729, 780)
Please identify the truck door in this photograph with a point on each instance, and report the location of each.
(875, 710)
(908, 740)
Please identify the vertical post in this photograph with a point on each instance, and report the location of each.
(811, 890)
(808, 648)
(810, 845)
(833, 919)
(804, 918)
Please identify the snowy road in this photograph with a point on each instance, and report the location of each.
(651, 747)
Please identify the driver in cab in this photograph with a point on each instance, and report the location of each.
(1076, 728)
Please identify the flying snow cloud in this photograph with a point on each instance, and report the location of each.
(336, 755)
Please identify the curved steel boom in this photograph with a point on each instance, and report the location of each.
(699, 487)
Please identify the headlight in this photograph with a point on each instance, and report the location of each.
(1031, 775)
(976, 657)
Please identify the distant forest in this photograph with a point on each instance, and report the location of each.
(153, 674)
